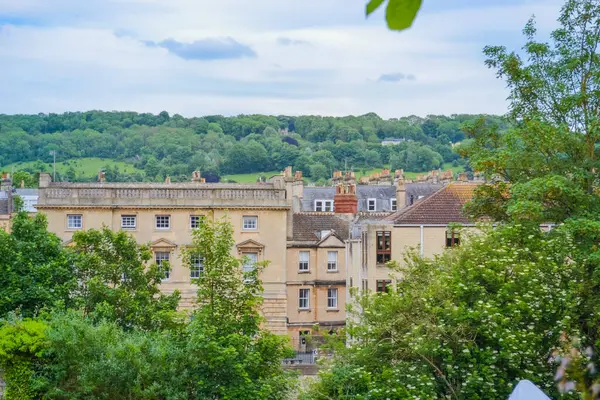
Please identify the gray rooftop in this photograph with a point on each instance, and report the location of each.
(382, 194)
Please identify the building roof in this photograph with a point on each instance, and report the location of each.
(27, 192)
(382, 194)
(311, 227)
(443, 207)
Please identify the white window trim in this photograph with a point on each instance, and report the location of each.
(334, 290)
(200, 266)
(255, 217)
(162, 228)
(300, 261)
(369, 204)
(394, 204)
(325, 204)
(134, 221)
(69, 221)
(200, 217)
(168, 259)
(307, 307)
(332, 262)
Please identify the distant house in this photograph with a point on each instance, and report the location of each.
(392, 142)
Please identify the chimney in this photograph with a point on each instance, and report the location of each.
(196, 177)
(45, 180)
(22, 184)
(345, 200)
(101, 178)
(168, 179)
(400, 193)
(287, 173)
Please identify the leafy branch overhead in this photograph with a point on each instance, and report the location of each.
(399, 14)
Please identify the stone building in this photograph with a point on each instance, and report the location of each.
(164, 215)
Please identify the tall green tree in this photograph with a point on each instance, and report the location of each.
(117, 284)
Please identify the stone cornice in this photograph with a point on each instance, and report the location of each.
(157, 207)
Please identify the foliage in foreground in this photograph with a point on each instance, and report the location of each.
(109, 349)
(467, 325)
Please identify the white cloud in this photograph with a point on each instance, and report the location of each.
(57, 64)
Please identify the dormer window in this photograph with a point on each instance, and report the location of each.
(371, 204)
(324, 205)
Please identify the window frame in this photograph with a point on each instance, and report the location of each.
(374, 204)
(69, 226)
(248, 267)
(301, 262)
(307, 299)
(248, 218)
(334, 263)
(383, 253)
(167, 216)
(123, 216)
(323, 205)
(330, 291)
(201, 219)
(452, 238)
(161, 260)
(393, 204)
(197, 266)
(385, 284)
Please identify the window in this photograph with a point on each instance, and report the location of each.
(393, 204)
(250, 261)
(324, 205)
(74, 221)
(163, 221)
(196, 221)
(452, 238)
(162, 258)
(128, 221)
(332, 257)
(383, 286)
(249, 223)
(303, 263)
(197, 266)
(371, 204)
(332, 298)
(365, 285)
(384, 247)
(303, 299)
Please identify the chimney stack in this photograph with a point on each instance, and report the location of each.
(400, 192)
(101, 177)
(345, 200)
(196, 177)
(22, 184)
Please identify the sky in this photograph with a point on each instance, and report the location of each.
(230, 57)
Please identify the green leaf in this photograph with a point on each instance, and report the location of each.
(401, 13)
(373, 5)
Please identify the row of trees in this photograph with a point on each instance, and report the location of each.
(175, 146)
(514, 301)
(89, 322)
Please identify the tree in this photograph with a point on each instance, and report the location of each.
(225, 342)
(35, 271)
(468, 324)
(116, 283)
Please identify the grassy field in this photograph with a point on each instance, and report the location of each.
(83, 166)
(251, 178)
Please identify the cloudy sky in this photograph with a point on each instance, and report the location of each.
(198, 57)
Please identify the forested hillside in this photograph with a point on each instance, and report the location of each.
(161, 145)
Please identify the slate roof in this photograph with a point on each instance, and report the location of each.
(27, 192)
(382, 194)
(308, 226)
(3, 202)
(441, 208)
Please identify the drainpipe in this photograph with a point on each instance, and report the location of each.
(422, 241)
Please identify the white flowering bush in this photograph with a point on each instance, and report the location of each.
(469, 324)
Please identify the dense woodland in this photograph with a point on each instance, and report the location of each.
(161, 145)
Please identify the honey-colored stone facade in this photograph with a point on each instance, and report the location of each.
(104, 204)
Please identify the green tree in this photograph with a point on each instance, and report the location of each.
(35, 270)
(226, 345)
(468, 324)
(116, 283)
(399, 14)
